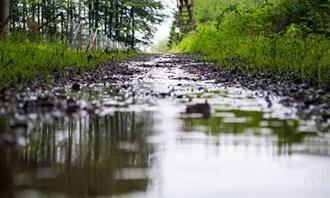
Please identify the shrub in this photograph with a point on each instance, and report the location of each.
(288, 37)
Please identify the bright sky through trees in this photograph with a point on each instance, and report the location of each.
(163, 29)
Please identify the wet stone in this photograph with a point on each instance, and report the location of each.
(199, 108)
(75, 87)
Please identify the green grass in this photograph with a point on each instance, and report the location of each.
(24, 61)
(264, 37)
(307, 58)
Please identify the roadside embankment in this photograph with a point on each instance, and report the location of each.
(22, 63)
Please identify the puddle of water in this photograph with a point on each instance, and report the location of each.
(143, 145)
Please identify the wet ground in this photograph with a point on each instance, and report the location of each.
(159, 127)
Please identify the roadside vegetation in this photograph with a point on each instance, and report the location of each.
(160, 46)
(285, 37)
(41, 37)
(22, 62)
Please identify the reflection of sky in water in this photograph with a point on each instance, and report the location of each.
(196, 164)
(180, 162)
(242, 171)
(146, 147)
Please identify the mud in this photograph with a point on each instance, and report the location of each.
(307, 99)
(146, 127)
(58, 97)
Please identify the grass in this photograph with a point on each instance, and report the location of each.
(24, 61)
(271, 37)
(288, 56)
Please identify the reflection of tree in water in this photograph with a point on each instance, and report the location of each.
(5, 173)
(89, 154)
(5, 166)
(286, 131)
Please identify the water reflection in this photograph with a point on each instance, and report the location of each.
(111, 156)
(5, 174)
(146, 146)
(87, 157)
(249, 127)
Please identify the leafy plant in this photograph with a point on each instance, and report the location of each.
(287, 37)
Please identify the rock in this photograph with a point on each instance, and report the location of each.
(200, 108)
(18, 124)
(164, 94)
(200, 88)
(72, 106)
(269, 102)
(75, 87)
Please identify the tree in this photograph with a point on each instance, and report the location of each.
(128, 22)
(4, 18)
(144, 14)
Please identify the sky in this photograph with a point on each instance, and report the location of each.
(163, 30)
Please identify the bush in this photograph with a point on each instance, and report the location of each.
(280, 36)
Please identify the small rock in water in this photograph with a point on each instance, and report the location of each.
(164, 94)
(72, 106)
(75, 87)
(269, 102)
(19, 124)
(201, 108)
(200, 88)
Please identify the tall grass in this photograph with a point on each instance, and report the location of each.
(258, 38)
(21, 62)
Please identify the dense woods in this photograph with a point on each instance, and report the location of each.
(286, 37)
(128, 22)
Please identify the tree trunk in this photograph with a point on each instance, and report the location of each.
(24, 15)
(117, 20)
(96, 14)
(79, 28)
(110, 28)
(6, 187)
(133, 29)
(4, 19)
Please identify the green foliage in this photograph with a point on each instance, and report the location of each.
(160, 46)
(129, 22)
(287, 37)
(22, 62)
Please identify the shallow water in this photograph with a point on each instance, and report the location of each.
(142, 144)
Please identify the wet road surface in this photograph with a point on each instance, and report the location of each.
(171, 134)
